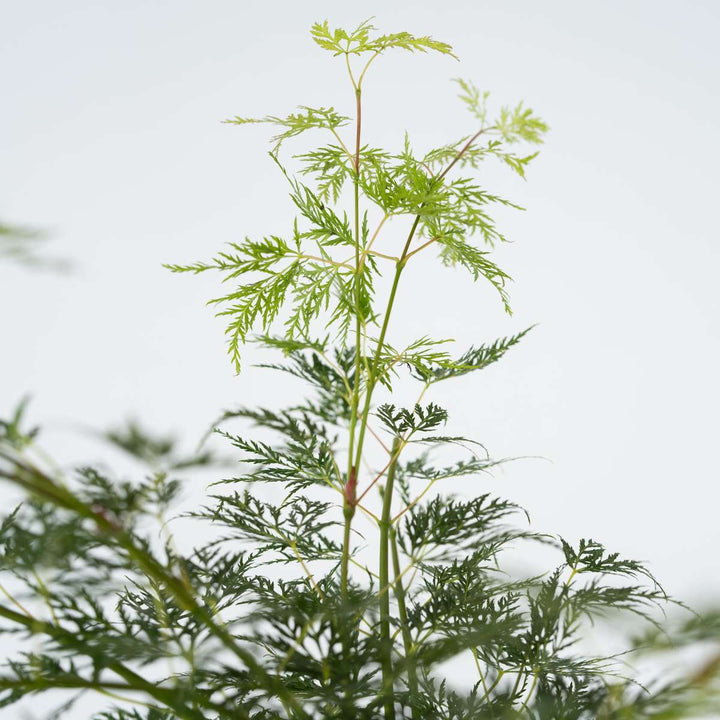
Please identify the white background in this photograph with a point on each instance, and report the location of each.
(110, 138)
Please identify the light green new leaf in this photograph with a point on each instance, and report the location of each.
(297, 123)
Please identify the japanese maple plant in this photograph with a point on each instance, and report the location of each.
(339, 578)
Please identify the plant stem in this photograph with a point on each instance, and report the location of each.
(356, 447)
(399, 592)
(349, 502)
(400, 265)
(465, 148)
(385, 642)
(345, 562)
(372, 379)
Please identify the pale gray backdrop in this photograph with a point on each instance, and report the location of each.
(110, 137)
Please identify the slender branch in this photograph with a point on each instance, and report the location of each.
(307, 571)
(364, 568)
(414, 502)
(373, 376)
(366, 249)
(369, 513)
(389, 465)
(385, 642)
(344, 379)
(350, 72)
(326, 261)
(367, 65)
(375, 253)
(348, 512)
(465, 148)
(372, 379)
(530, 692)
(380, 440)
(342, 144)
(481, 674)
(522, 675)
(421, 247)
(358, 126)
(350, 493)
(42, 587)
(15, 602)
(399, 591)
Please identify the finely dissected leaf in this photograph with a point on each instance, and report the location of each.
(403, 421)
(476, 358)
(475, 100)
(355, 42)
(297, 526)
(297, 123)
